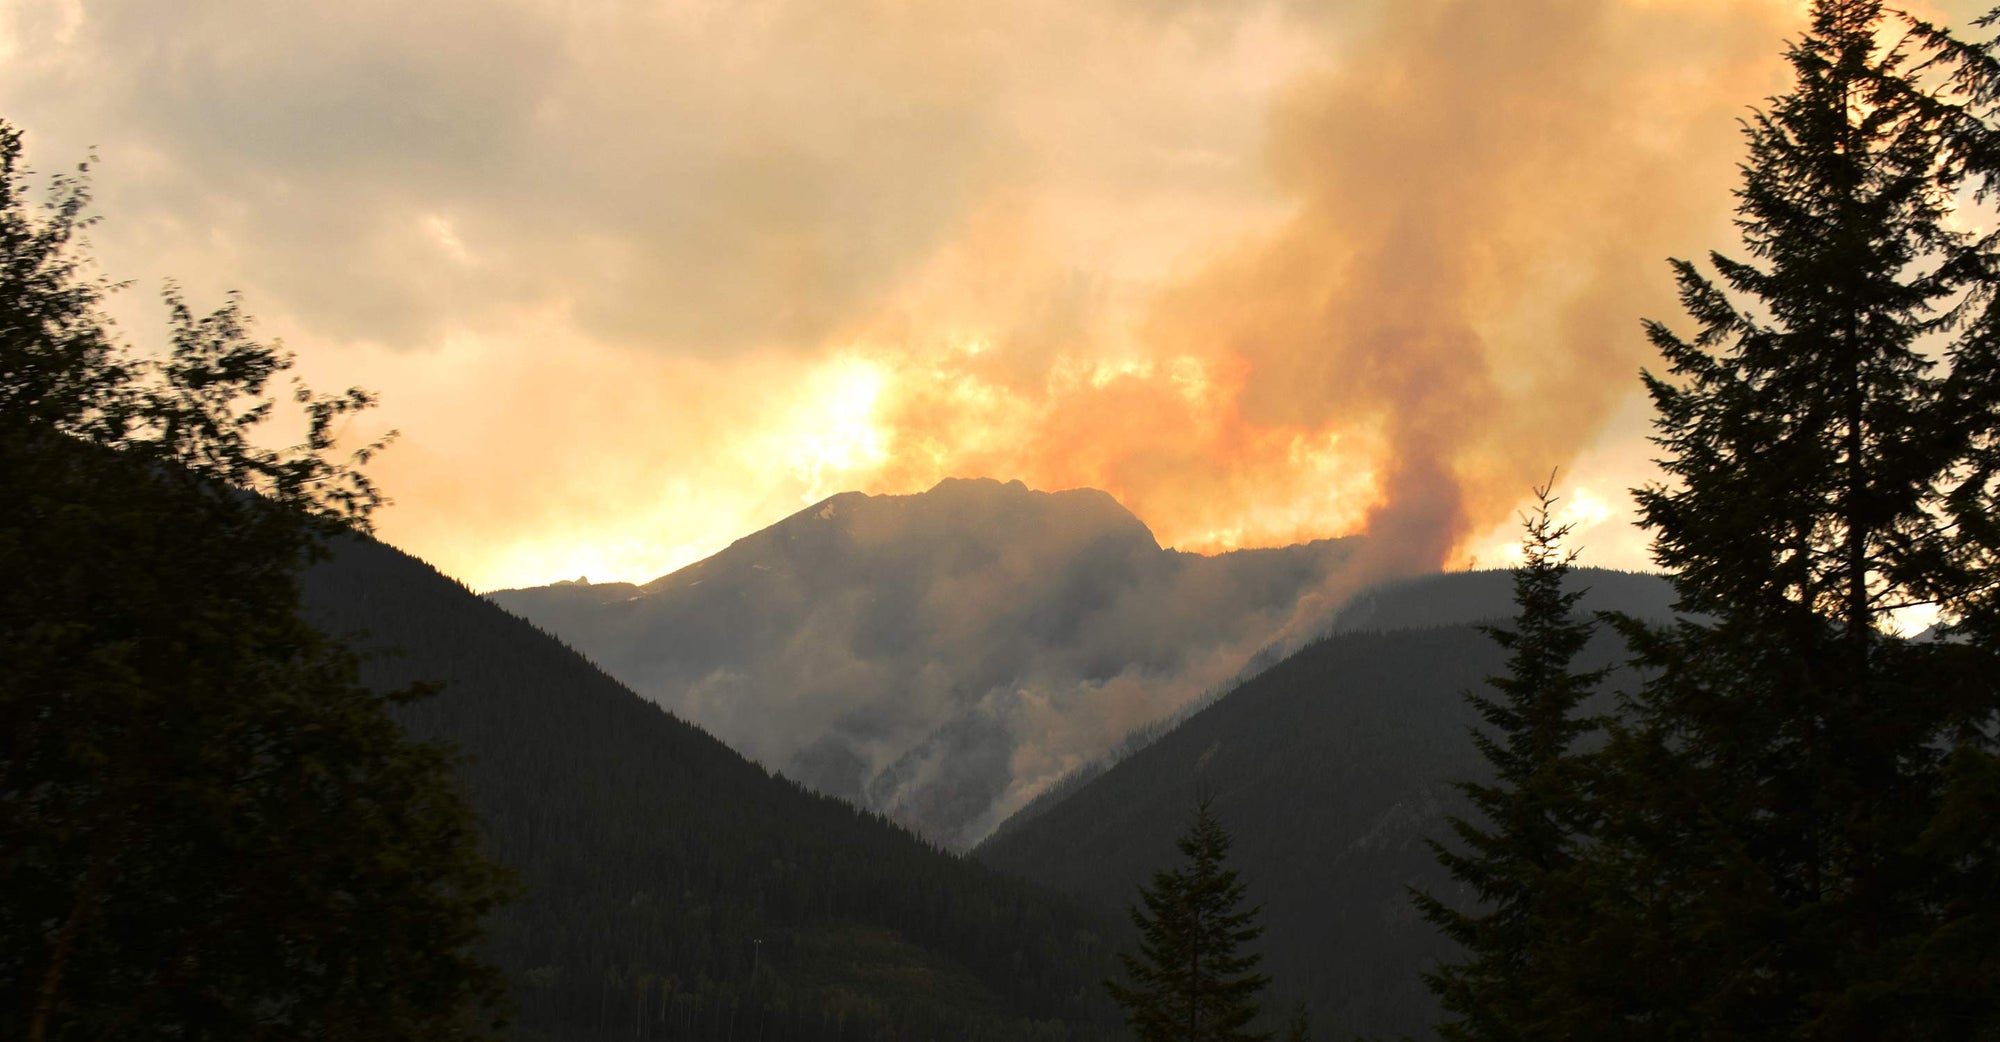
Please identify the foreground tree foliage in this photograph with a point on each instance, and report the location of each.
(1191, 982)
(208, 828)
(1516, 853)
(1783, 841)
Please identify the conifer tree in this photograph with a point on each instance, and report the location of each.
(1191, 981)
(1783, 852)
(1531, 815)
(209, 829)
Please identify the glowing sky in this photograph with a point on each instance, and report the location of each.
(634, 279)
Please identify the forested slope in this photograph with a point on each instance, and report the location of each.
(1330, 770)
(675, 890)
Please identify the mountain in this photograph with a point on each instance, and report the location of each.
(939, 657)
(673, 889)
(1330, 769)
(1462, 598)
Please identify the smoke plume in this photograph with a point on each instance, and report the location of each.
(634, 279)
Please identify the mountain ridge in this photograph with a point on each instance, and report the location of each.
(673, 885)
(942, 655)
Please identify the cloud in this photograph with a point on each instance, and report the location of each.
(1263, 270)
(702, 195)
(1476, 202)
(1463, 273)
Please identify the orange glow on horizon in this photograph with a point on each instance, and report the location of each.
(1165, 437)
(1416, 292)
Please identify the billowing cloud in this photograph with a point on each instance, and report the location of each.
(635, 278)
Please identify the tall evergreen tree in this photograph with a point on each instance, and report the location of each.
(1784, 853)
(1532, 814)
(208, 827)
(1191, 981)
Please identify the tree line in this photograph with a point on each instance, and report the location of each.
(209, 828)
(672, 889)
(1785, 829)
(242, 746)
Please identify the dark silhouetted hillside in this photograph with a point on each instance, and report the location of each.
(1330, 769)
(675, 890)
(1458, 598)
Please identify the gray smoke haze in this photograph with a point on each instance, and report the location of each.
(940, 657)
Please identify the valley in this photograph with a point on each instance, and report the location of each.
(656, 858)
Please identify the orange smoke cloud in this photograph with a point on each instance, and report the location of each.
(1166, 437)
(1482, 196)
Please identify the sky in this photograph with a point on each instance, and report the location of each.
(636, 279)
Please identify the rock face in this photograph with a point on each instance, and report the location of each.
(938, 657)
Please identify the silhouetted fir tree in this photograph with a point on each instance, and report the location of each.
(1530, 816)
(1785, 852)
(1191, 982)
(208, 827)
(1960, 961)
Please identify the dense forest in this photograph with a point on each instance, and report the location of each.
(1330, 769)
(1774, 833)
(208, 827)
(676, 890)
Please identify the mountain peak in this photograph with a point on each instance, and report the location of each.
(1013, 503)
(901, 650)
(949, 485)
(961, 511)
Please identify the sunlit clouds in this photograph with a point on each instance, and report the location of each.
(634, 279)
(836, 431)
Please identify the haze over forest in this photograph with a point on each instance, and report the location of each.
(635, 280)
(885, 488)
